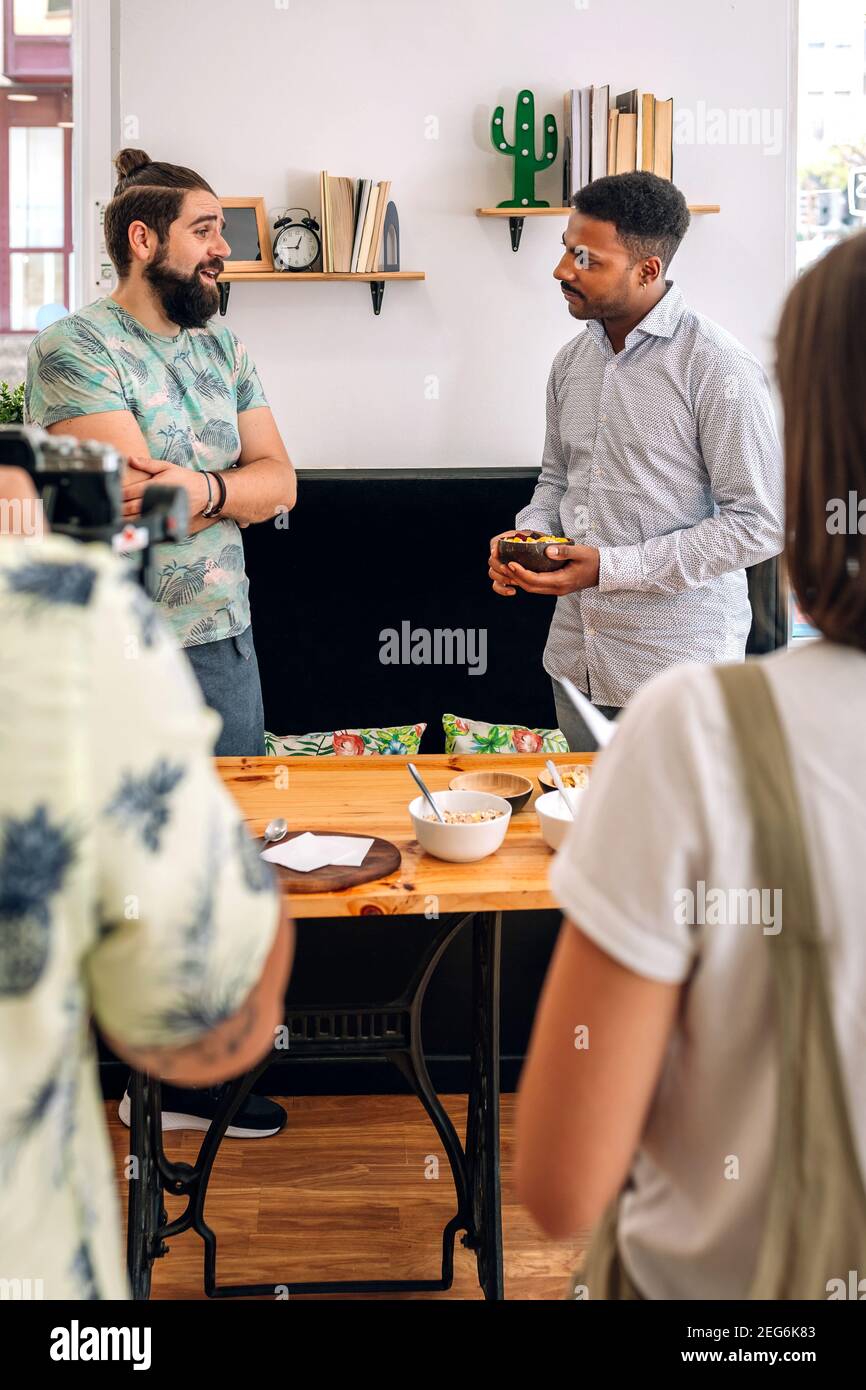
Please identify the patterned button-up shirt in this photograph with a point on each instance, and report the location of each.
(129, 892)
(665, 457)
(187, 393)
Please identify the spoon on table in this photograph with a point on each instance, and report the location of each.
(416, 774)
(558, 783)
(275, 830)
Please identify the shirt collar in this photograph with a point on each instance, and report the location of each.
(663, 318)
(661, 321)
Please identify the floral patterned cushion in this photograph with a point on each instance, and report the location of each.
(346, 743)
(474, 736)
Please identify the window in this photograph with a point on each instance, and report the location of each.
(36, 261)
(831, 144)
(42, 17)
(35, 206)
(37, 37)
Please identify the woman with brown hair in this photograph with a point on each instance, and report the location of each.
(694, 1089)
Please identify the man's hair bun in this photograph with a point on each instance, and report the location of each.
(130, 162)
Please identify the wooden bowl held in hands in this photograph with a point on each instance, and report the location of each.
(528, 548)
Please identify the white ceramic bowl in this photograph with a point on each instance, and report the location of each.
(460, 844)
(554, 818)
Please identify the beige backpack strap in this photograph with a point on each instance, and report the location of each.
(602, 1274)
(815, 1227)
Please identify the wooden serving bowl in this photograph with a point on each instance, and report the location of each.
(513, 789)
(564, 769)
(531, 554)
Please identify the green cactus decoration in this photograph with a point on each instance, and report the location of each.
(526, 165)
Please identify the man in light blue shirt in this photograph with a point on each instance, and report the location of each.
(661, 461)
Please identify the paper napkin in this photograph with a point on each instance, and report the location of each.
(308, 852)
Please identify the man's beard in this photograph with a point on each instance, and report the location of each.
(611, 308)
(186, 300)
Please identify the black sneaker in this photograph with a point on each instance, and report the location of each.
(258, 1117)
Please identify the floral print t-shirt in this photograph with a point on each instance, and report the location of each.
(186, 392)
(129, 892)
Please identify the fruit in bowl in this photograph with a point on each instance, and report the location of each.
(576, 775)
(529, 549)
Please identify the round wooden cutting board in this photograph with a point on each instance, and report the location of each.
(382, 859)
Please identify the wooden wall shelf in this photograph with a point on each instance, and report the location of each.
(516, 215)
(374, 278)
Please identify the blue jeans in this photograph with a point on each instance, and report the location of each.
(228, 673)
(580, 740)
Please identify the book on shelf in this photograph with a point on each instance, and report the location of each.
(567, 151)
(599, 131)
(647, 149)
(663, 139)
(585, 138)
(636, 132)
(327, 258)
(626, 135)
(571, 123)
(613, 132)
(353, 214)
(383, 194)
(363, 203)
(626, 102)
(585, 107)
(626, 143)
(341, 208)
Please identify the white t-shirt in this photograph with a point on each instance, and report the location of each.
(666, 811)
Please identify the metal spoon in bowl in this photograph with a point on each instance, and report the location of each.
(275, 830)
(416, 774)
(558, 783)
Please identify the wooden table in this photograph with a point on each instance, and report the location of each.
(371, 796)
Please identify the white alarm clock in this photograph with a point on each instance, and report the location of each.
(297, 245)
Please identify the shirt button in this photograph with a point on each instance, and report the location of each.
(602, 418)
(590, 632)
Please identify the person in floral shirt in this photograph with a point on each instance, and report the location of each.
(143, 369)
(130, 892)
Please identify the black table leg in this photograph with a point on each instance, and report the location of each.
(482, 1119)
(389, 1031)
(146, 1215)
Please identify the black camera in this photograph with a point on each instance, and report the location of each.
(80, 483)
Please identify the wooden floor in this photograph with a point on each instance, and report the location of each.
(342, 1193)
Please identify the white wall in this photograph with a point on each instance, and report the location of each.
(259, 98)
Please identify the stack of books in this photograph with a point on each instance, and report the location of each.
(603, 139)
(353, 211)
